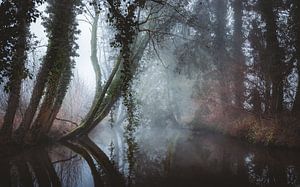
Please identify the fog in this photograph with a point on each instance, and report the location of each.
(181, 85)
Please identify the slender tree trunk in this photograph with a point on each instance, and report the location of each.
(94, 50)
(220, 49)
(275, 56)
(94, 59)
(45, 109)
(296, 19)
(37, 93)
(238, 55)
(268, 97)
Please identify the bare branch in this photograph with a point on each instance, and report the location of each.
(157, 54)
(65, 160)
(69, 121)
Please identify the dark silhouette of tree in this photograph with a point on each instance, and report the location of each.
(14, 44)
(219, 45)
(274, 56)
(238, 56)
(55, 74)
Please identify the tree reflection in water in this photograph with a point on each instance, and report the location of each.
(197, 159)
(35, 168)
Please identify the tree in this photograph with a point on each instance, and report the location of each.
(55, 74)
(221, 58)
(238, 56)
(274, 57)
(132, 44)
(14, 45)
(132, 35)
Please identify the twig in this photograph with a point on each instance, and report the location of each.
(65, 120)
(65, 160)
(157, 54)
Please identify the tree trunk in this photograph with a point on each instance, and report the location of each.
(113, 87)
(18, 71)
(296, 19)
(238, 55)
(94, 60)
(110, 94)
(37, 93)
(62, 91)
(62, 30)
(274, 57)
(94, 50)
(220, 49)
(24, 173)
(86, 156)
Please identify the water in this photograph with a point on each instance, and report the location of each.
(183, 158)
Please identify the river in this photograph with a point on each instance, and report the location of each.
(181, 158)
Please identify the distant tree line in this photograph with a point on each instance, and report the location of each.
(254, 53)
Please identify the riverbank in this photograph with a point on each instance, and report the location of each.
(281, 131)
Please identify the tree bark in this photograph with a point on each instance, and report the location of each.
(62, 91)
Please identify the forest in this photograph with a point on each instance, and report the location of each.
(149, 93)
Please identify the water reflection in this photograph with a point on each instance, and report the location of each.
(208, 159)
(195, 159)
(60, 166)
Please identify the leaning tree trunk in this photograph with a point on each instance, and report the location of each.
(36, 97)
(112, 89)
(62, 91)
(110, 94)
(94, 50)
(45, 109)
(62, 30)
(94, 59)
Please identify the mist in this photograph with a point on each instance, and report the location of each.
(149, 93)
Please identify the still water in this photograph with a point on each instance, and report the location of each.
(181, 158)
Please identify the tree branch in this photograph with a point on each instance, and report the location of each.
(69, 121)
